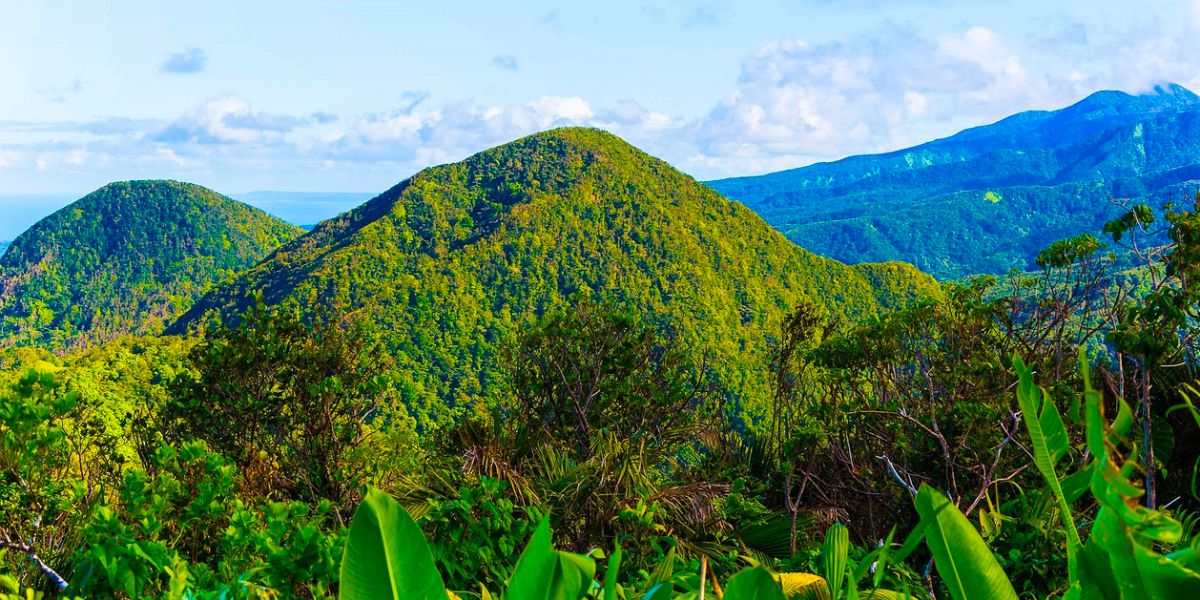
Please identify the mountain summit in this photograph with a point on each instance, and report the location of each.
(126, 259)
(477, 250)
(988, 198)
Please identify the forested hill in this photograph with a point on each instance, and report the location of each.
(454, 261)
(128, 257)
(989, 198)
(3, 247)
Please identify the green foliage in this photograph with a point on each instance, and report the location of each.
(49, 451)
(179, 528)
(1119, 558)
(966, 564)
(293, 406)
(753, 584)
(1050, 443)
(565, 341)
(611, 432)
(475, 535)
(544, 573)
(127, 258)
(1064, 253)
(386, 555)
(919, 390)
(597, 370)
(837, 548)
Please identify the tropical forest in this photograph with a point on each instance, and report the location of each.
(908, 327)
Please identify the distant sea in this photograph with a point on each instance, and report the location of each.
(304, 208)
(20, 211)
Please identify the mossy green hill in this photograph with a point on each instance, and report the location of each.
(127, 258)
(454, 261)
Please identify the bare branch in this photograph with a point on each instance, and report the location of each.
(33, 557)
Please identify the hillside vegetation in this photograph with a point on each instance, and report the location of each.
(989, 198)
(127, 258)
(563, 370)
(450, 264)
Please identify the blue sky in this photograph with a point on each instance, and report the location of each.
(355, 96)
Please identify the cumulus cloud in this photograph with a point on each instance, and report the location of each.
(192, 60)
(453, 130)
(793, 103)
(797, 102)
(227, 120)
(505, 62)
(9, 159)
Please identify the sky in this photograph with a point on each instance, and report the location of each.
(354, 96)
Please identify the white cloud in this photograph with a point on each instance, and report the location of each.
(797, 102)
(169, 156)
(9, 159)
(423, 135)
(75, 158)
(227, 120)
(794, 102)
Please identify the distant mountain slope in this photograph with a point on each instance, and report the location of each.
(3, 247)
(988, 198)
(454, 261)
(128, 257)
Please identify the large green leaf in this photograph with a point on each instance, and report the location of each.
(804, 585)
(610, 574)
(965, 563)
(1166, 578)
(386, 556)
(834, 556)
(1048, 436)
(544, 573)
(755, 583)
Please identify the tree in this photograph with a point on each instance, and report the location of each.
(290, 404)
(54, 461)
(600, 370)
(1154, 334)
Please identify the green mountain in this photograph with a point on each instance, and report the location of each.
(454, 261)
(127, 258)
(989, 198)
(4, 247)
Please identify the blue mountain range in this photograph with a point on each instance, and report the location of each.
(989, 198)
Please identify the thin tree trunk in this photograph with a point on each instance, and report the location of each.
(1148, 441)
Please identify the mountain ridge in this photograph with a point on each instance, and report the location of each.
(1015, 185)
(488, 244)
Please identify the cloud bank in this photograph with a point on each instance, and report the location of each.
(793, 103)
